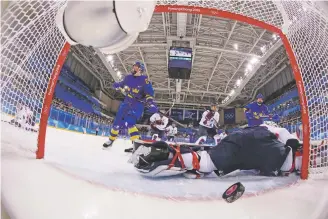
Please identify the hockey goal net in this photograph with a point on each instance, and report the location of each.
(33, 52)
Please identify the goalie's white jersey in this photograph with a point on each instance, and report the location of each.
(209, 119)
(171, 131)
(282, 134)
(162, 120)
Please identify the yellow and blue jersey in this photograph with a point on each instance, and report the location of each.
(138, 88)
(254, 112)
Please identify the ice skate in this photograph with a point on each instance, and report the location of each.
(108, 144)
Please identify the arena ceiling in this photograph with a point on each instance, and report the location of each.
(231, 60)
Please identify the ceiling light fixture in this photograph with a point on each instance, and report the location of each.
(109, 58)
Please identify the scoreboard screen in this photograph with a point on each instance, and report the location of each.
(180, 62)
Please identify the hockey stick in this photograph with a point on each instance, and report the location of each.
(181, 144)
(173, 120)
(170, 107)
(170, 118)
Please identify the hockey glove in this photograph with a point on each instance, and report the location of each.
(151, 105)
(249, 115)
(116, 86)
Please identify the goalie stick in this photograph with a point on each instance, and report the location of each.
(182, 144)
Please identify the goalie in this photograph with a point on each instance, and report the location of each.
(251, 148)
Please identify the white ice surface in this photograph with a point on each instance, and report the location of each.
(77, 179)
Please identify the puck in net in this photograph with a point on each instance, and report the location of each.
(234, 192)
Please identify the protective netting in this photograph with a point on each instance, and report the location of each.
(307, 31)
(31, 44)
(308, 35)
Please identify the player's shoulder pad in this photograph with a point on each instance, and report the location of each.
(145, 78)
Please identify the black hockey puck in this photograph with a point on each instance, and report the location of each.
(234, 192)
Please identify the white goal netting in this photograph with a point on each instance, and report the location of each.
(31, 44)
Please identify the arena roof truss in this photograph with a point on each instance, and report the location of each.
(230, 59)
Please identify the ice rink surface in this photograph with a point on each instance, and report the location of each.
(77, 179)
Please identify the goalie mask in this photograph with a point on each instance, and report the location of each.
(144, 156)
(109, 25)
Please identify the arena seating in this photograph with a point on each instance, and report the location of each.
(72, 89)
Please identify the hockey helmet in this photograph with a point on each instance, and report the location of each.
(213, 106)
(259, 96)
(162, 111)
(140, 65)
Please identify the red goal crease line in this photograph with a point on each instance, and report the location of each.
(204, 11)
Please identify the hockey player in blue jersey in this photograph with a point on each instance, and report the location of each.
(138, 93)
(255, 111)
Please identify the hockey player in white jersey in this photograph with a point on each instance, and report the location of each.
(171, 131)
(24, 117)
(208, 124)
(158, 125)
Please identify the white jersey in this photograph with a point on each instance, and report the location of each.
(171, 131)
(218, 137)
(23, 113)
(282, 134)
(209, 119)
(159, 121)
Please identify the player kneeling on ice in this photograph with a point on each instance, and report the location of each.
(251, 148)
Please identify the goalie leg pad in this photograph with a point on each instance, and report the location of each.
(287, 166)
(162, 170)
